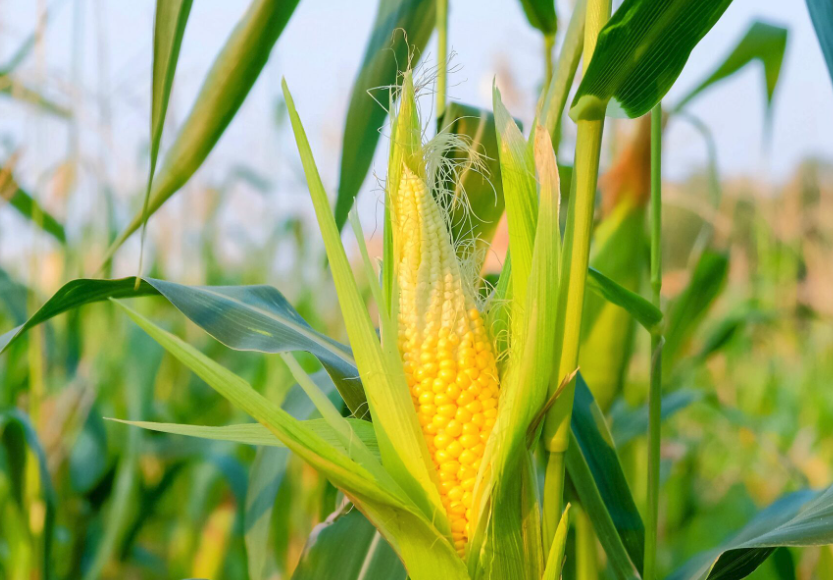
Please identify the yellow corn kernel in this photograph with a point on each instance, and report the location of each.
(448, 357)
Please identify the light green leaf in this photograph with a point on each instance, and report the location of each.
(600, 484)
(517, 170)
(401, 443)
(552, 103)
(348, 547)
(426, 551)
(16, 90)
(821, 13)
(168, 29)
(400, 33)
(764, 42)
(226, 86)
(258, 435)
(508, 542)
(640, 53)
(803, 518)
(641, 309)
(559, 543)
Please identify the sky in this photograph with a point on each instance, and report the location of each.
(106, 75)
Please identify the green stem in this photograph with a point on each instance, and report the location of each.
(574, 262)
(655, 394)
(442, 55)
(549, 45)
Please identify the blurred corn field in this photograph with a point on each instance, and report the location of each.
(639, 383)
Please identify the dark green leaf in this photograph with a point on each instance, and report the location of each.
(400, 32)
(226, 86)
(348, 547)
(477, 205)
(821, 12)
(764, 42)
(541, 15)
(28, 207)
(640, 53)
(600, 483)
(256, 318)
(641, 309)
(803, 518)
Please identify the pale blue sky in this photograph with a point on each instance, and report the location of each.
(319, 54)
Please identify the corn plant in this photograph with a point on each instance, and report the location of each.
(460, 425)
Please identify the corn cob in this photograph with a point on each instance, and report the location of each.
(447, 354)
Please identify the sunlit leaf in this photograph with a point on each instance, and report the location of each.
(764, 42)
(226, 86)
(641, 309)
(399, 34)
(640, 53)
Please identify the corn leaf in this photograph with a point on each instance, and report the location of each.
(28, 207)
(556, 558)
(517, 170)
(687, 310)
(600, 483)
(265, 477)
(764, 42)
(641, 309)
(640, 53)
(478, 204)
(168, 30)
(256, 318)
(258, 435)
(14, 89)
(541, 15)
(398, 518)
(16, 435)
(348, 547)
(803, 518)
(400, 33)
(226, 86)
(552, 103)
(821, 13)
(626, 424)
(608, 331)
(510, 545)
(402, 446)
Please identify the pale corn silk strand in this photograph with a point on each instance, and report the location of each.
(448, 356)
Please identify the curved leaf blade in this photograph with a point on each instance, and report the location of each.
(27, 206)
(821, 13)
(641, 309)
(764, 42)
(598, 478)
(641, 52)
(803, 518)
(348, 547)
(401, 30)
(226, 86)
(254, 318)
